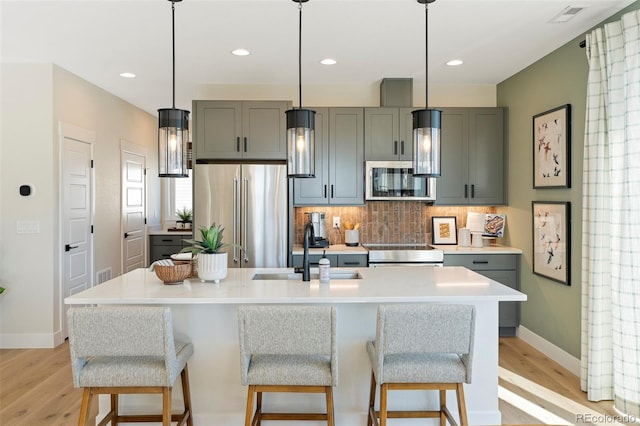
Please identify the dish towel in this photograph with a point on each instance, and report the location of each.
(163, 262)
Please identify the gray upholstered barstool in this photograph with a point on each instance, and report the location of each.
(128, 350)
(288, 349)
(421, 347)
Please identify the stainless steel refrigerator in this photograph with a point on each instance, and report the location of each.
(250, 201)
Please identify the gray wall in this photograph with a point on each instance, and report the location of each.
(552, 310)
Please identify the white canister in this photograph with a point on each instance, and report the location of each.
(352, 237)
(464, 237)
(476, 239)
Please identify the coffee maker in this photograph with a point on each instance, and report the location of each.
(319, 236)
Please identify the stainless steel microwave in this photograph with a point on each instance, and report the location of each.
(394, 180)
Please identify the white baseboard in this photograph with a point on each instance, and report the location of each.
(557, 354)
(27, 341)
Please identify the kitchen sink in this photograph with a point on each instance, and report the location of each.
(342, 275)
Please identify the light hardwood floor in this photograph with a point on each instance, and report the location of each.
(36, 389)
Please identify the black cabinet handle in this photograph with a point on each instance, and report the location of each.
(245, 144)
(473, 191)
(238, 144)
(325, 191)
(395, 147)
(331, 191)
(401, 147)
(351, 263)
(466, 192)
(68, 247)
(480, 262)
(167, 241)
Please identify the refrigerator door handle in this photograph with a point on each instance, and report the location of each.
(245, 226)
(235, 220)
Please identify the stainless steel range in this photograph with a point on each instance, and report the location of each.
(403, 255)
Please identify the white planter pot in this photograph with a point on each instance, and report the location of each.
(212, 267)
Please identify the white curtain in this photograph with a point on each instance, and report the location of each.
(611, 217)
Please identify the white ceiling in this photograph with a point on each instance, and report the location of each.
(370, 39)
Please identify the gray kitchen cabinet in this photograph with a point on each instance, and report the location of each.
(248, 130)
(336, 260)
(473, 146)
(339, 156)
(503, 268)
(163, 246)
(388, 133)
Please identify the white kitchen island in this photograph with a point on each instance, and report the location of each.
(206, 313)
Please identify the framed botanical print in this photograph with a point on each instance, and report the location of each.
(551, 240)
(444, 230)
(551, 148)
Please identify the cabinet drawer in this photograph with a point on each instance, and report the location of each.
(353, 260)
(159, 252)
(167, 240)
(314, 259)
(479, 262)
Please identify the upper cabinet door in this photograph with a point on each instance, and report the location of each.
(253, 130)
(381, 133)
(472, 157)
(388, 133)
(217, 129)
(346, 154)
(264, 130)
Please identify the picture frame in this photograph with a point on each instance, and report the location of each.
(552, 240)
(444, 230)
(552, 148)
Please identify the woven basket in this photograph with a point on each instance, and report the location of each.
(173, 274)
(193, 262)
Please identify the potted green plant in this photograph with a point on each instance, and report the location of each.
(186, 216)
(212, 262)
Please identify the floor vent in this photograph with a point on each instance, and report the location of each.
(103, 275)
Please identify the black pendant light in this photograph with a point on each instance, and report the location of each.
(426, 122)
(173, 127)
(300, 126)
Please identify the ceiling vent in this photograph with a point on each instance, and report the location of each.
(567, 14)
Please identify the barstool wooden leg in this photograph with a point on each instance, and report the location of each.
(372, 400)
(383, 404)
(248, 417)
(258, 420)
(166, 406)
(186, 395)
(83, 419)
(462, 407)
(114, 409)
(443, 406)
(328, 390)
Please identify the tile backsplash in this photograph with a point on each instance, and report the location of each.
(385, 221)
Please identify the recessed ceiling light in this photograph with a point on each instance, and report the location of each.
(455, 62)
(127, 75)
(241, 52)
(328, 61)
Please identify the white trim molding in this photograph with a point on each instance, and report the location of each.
(557, 354)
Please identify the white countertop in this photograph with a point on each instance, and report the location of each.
(378, 285)
(491, 249)
(332, 249)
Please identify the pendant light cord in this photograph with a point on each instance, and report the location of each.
(173, 39)
(300, 54)
(426, 56)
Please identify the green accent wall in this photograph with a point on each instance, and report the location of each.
(553, 310)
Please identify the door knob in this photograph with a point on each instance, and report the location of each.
(68, 247)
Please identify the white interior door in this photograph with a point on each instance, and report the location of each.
(133, 211)
(76, 207)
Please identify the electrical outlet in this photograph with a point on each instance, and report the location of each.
(336, 222)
